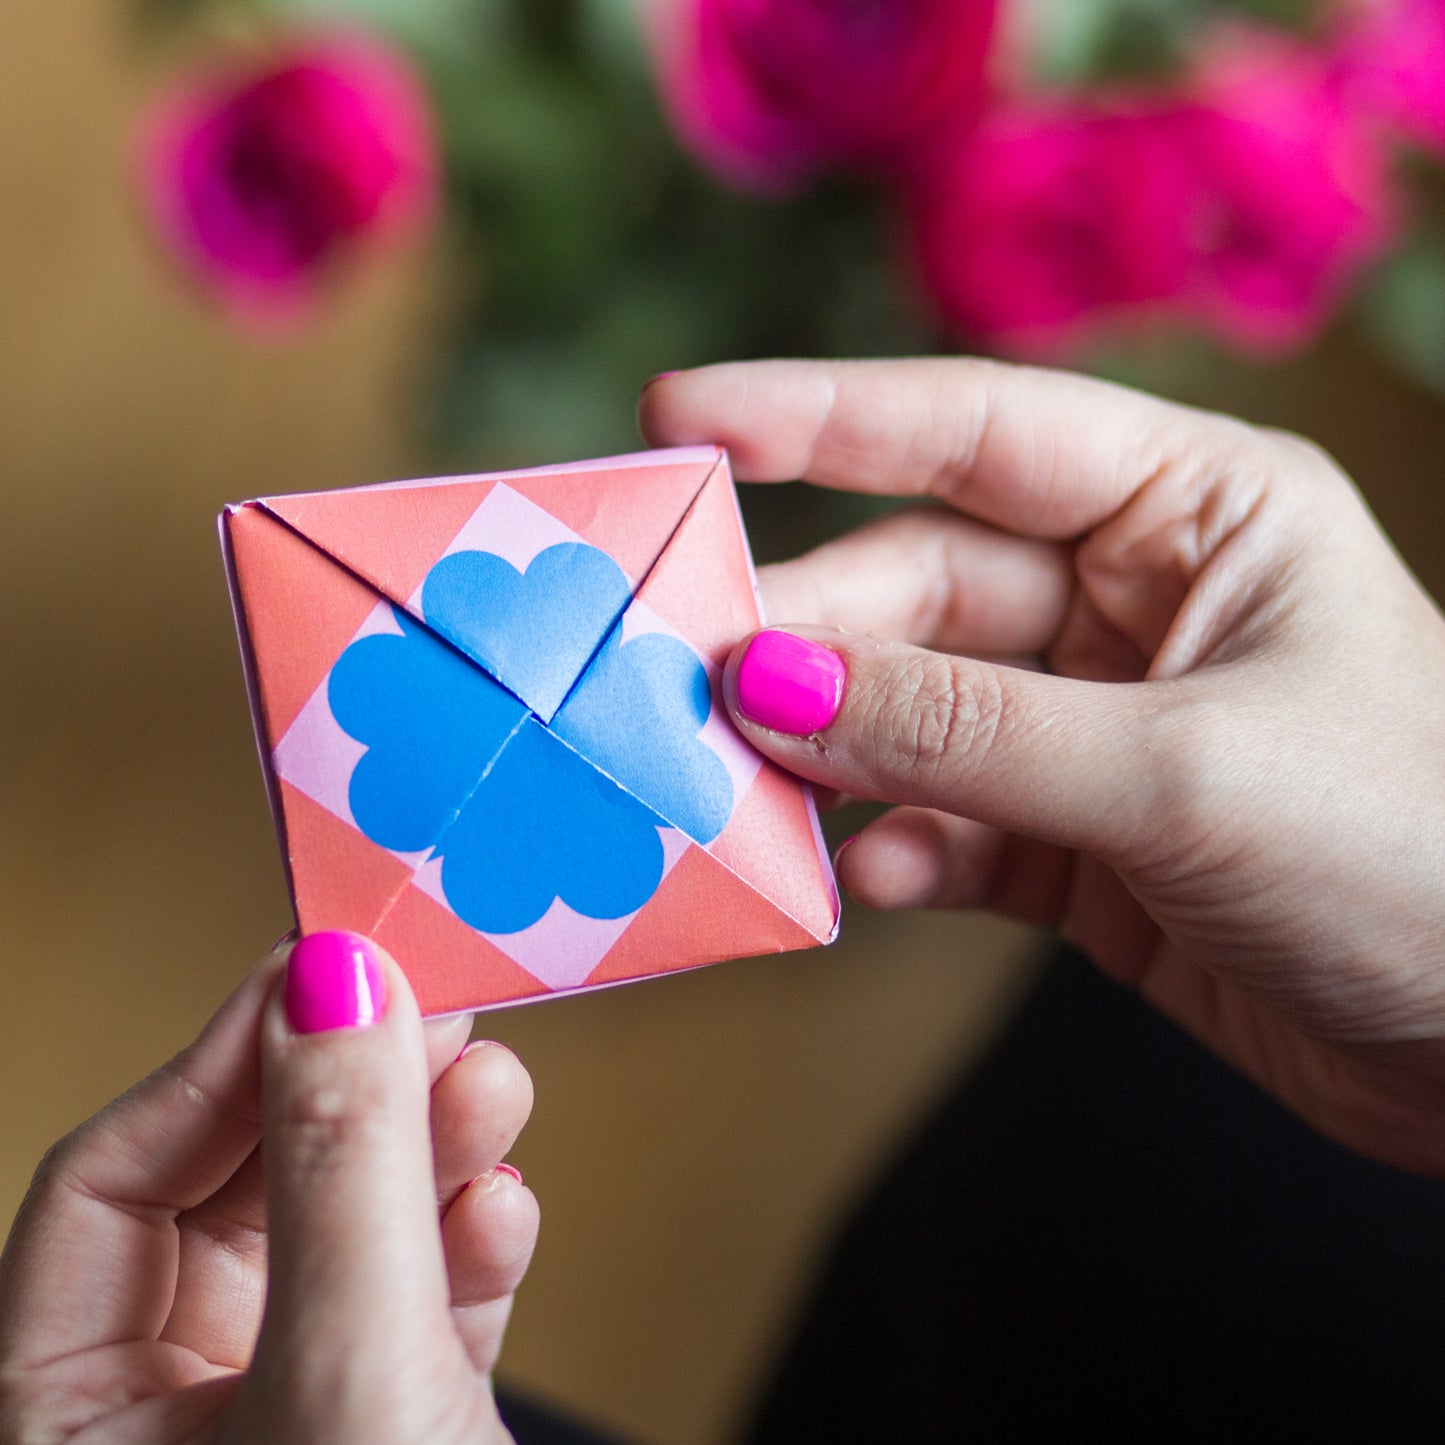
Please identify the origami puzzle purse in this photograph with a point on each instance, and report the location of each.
(488, 712)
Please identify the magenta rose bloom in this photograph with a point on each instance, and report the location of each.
(1295, 193)
(1248, 204)
(264, 180)
(1391, 57)
(1052, 219)
(770, 92)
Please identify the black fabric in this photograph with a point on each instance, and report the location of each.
(533, 1423)
(1106, 1235)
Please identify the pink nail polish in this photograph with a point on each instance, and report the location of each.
(789, 683)
(842, 848)
(511, 1171)
(472, 1045)
(334, 981)
(661, 376)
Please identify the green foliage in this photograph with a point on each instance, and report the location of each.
(1083, 41)
(602, 254)
(1405, 309)
(593, 252)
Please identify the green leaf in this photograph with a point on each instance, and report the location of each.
(1404, 310)
(433, 28)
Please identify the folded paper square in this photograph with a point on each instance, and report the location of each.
(488, 712)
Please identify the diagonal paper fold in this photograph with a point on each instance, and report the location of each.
(309, 573)
(403, 537)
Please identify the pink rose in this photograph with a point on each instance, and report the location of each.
(262, 180)
(1391, 56)
(1247, 203)
(1053, 218)
(1295, 194)
(769, 92)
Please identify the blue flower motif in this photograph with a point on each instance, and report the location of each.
(519, 814)
(636, 713)
(433, 724)
(545, 824)
(534, 630)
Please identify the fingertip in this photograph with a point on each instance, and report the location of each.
(478, 1108)
(496, 1079)
(285, 943)
(895, 863)
(788, 683)
(335, 979)
(337, 982)
(655, 416)
(489, 1234)
(730, 674)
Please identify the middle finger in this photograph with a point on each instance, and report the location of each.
(930, 577)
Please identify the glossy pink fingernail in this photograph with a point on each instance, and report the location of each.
(334, 981)
(790, 684)
(511, 1171)
(661, 376)
(842, 848)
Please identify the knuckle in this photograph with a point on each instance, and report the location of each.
(58, 1175)
(1195, 773)
(1303, 452)
(941, 719)
(319, 1126)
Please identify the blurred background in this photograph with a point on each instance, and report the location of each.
(265, 247)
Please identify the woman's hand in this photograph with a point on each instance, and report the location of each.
(160, 1285)
(1147, 675)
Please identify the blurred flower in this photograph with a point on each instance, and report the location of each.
(1391, 55)
(1053, 218)
(1247, 203)
(263, 180)
(769, 92)
(1295, 191)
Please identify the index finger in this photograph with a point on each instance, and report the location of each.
(93, 1255)
(1047, 454)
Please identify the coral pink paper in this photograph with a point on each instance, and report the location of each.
(489, 716)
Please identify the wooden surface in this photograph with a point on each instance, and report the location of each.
(693, 1137)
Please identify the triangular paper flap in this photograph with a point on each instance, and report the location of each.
(772, 843)
(300, 610)
(450, 966)
(653, 686)
(703, 582)
(388, 536)
(771, 839)
(701, 914)
(400, 537)
(339, 878)
(392, 535)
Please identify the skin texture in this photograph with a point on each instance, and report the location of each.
(157, 1288)
(1145, 675)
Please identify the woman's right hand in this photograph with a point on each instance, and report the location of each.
(1151, 676)
(162, 1286)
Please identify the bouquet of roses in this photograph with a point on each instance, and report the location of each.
(697, 178)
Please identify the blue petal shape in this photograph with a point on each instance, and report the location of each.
(533, 631)
(432, 723)
(545, 824)
(637, 713)
(454, 763)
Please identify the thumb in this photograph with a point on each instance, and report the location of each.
(1047, 757)
(356, 1264)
